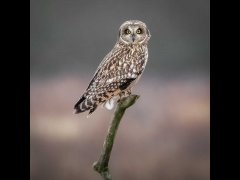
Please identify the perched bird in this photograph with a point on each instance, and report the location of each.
(120, 70)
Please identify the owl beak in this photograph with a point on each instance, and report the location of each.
(133, 37)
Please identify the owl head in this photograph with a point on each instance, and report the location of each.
(134, 32)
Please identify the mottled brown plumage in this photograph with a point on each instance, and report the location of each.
(119, 70)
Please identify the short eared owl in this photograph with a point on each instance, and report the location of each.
(119, 70)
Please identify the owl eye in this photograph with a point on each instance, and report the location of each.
(127, 31)
(139, 31)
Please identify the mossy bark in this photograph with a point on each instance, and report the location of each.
(101, 166)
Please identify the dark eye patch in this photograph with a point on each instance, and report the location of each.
(139, 31)
(127, 31)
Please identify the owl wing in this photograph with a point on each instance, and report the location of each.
(114, 74)
(107, 69)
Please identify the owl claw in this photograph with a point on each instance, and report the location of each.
(124, 93)
(129, 92)
(120, 97)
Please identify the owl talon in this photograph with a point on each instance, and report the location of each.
(120, 97)
(129, 92)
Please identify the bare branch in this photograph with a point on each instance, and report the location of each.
(101, 166)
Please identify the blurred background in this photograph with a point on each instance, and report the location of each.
(165, 135)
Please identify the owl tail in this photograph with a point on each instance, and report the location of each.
(85, 104)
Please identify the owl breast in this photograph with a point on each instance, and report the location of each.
(130, 65)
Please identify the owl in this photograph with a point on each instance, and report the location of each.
(120, 69)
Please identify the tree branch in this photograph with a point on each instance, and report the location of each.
(101, 166)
